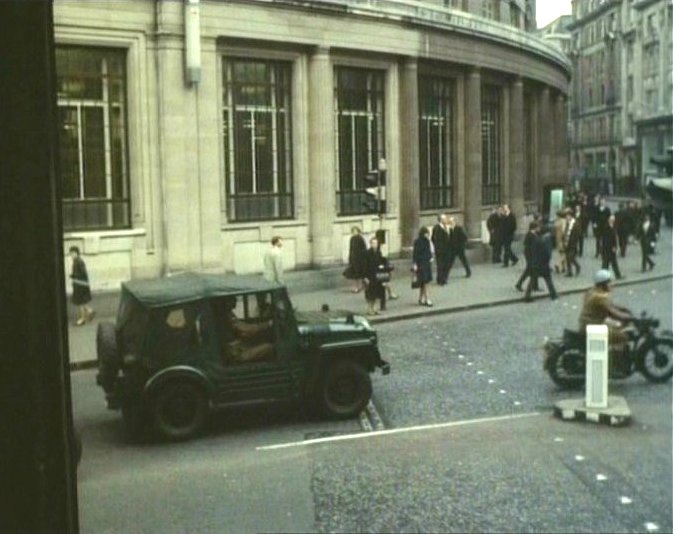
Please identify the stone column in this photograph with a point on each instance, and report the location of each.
(516, 148)
(322, 193)
(472, 184)
(545, 142)
(561, 141)
(410, 201)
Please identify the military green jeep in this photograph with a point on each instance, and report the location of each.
(184, 344)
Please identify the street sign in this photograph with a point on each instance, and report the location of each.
(375, 190)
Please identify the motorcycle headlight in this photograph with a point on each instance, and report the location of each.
(129, 359)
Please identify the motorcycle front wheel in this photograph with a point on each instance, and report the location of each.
(657, 361)
(566, 368)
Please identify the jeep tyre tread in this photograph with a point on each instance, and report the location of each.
(345, 390)
(179, 410)
(108, 357)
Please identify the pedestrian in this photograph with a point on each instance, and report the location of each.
(582, 217)
(559, 225)
(527, 254)
(609, 247)
(81, 290)
(493, 224)
(440, 240)
(273, 262)
(571, 238)
(357, 259)
(623, 227)
(422, 258)
(541, 248)
(648, 238)
(375, 276)
(508, 229)
(457, 245)
(600, 222)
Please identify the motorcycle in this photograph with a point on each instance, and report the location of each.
(647, 351)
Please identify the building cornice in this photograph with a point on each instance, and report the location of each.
(421, 14)
(606, 6)
(642, 4)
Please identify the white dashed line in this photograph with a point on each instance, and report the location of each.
(600, 477)
(461, 356)
(558, 440)
(630, 292)
(651, 527)
(469, 363)
(574, 307)
(625, 500)
(502, 392)
(491, 381)
(579, 458)
(480, 372)
(453, 350)
(565, 304)
(445, 343)
(517, 403)
(654, 292)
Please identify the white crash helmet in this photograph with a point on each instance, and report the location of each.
(602, 276)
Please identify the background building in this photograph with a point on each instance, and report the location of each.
(558, 33)
(621, 91)
(191, 133)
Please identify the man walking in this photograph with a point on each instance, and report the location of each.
(440, 240)
(623, 226)
(647, 239)
(531, 235)
(273, 261)
(609, 247)
(493, 224)
(600, 223)
(571, 238)
(457, 244)
(540, 258)
(508, 229)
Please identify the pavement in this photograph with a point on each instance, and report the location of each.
(490, 285)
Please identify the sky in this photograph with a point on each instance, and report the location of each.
(548, 10)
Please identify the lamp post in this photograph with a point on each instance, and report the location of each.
(381, 193)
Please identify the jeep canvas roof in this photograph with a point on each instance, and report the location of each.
(190, 287)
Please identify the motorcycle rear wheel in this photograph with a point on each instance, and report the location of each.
(657, 361)
(566, 369)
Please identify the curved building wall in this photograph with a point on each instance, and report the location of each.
(295, 103)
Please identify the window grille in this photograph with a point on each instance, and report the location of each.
(491, 145)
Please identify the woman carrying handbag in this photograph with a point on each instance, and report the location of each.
(422, 271)
(376, 275)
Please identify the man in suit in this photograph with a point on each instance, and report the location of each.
(600, 223)
(648, 237)
(609, 246)
(541, 248)
(582, 217)
(493, 224)
(571, 238)
(623, 226)
(440, 240)
(508, 229)
(457, 244)
(531, 235)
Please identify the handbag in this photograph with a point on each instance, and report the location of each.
(383, 277)
(415, 282)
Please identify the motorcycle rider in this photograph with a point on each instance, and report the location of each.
(598, 308)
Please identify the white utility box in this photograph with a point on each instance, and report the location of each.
(597, 366)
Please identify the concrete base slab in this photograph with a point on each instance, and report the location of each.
(617, 412)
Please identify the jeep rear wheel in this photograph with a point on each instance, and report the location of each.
(179, 410)
(108, 357)
(346, 389)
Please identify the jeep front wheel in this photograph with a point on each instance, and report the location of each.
(346, 389)
(179, 410)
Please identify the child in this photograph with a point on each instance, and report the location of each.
(81, 293)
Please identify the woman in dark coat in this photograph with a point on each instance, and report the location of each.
(376, 267)
(357, 259)
(422, 258)
(81, 293)
(648, 238)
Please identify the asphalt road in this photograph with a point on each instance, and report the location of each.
(481, 467)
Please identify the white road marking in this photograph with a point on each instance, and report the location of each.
(654, 292)
(630, 291)
(625, 500)
(600, 477)
(461, 356)
(651, 527)
(469, 363)
(574, 307)
(517, 403)
(491, 381)
(502, 392)
(362, 435)
(453, 350)
(558, 440)
(445, 343)
(579, 457)
(480, 372)
(565, 303)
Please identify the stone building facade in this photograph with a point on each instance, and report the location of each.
(189, 145)
(621, 92)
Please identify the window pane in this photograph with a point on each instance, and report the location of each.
(69, 143)
(94, 152)
(490, 155)
(257, 139)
